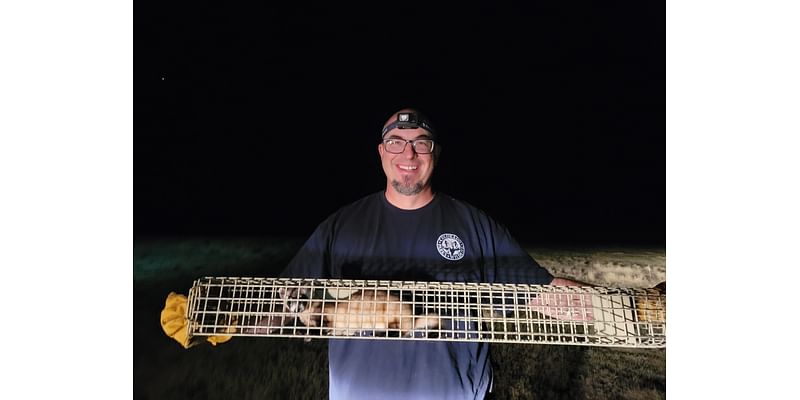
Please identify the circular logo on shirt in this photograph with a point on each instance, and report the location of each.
(450, 246)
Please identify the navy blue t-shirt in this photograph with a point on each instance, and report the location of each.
(446, 240)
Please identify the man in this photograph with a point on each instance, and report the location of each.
(411, 232)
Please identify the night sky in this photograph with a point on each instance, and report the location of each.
(264, 119)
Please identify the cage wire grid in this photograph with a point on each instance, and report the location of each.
(414, 310)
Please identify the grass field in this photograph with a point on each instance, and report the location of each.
(282, 368)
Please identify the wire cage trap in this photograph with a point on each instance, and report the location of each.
(412, 310)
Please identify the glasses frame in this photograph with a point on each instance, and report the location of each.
(413, 145)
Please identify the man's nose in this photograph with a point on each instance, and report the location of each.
(409, 151)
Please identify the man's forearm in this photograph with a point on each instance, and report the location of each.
(567, 282)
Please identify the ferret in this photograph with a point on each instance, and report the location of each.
(365, 310)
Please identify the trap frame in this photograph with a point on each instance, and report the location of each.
(413, 310)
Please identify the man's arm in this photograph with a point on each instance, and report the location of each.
(662, 286)
(567, 282)
(571, 306)
(565, 306)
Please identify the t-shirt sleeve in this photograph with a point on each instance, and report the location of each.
(511, 263)
(313, 258)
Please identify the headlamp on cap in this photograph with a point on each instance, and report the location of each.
(409, 120)
(407, 117)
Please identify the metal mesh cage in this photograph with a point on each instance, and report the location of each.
(411, 310)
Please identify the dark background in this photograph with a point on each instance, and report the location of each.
(264, 119)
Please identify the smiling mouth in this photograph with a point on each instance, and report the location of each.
(408, 167)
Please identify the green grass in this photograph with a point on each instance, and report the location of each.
(283, 368)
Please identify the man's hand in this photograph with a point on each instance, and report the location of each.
(565, 306)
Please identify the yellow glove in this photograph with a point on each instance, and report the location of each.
(175, 324)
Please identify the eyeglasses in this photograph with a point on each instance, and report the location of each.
(397, 146)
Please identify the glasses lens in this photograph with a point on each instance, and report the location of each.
(394, 145)
(423, 146)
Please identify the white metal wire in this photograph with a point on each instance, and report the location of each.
(411, 310)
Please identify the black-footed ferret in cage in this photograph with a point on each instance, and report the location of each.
(364, 310)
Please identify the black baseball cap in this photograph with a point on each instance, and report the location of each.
(410, 120)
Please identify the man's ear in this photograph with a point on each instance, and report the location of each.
(380, 149)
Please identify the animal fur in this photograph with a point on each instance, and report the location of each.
(365, 310)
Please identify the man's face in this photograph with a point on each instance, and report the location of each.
(408, 172)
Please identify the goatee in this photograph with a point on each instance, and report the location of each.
(408, 189)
